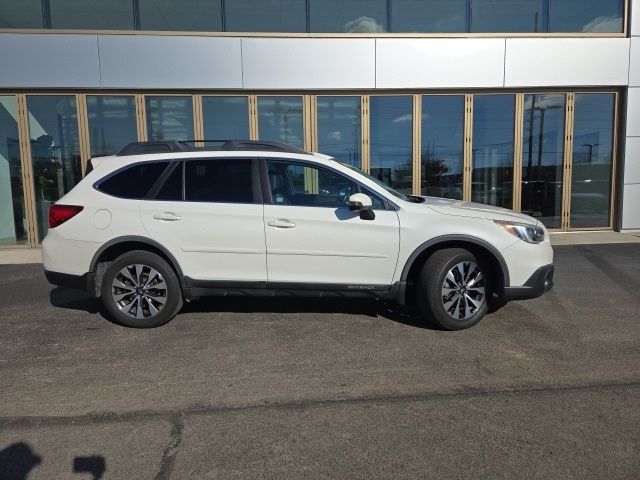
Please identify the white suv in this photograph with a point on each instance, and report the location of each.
(165, 221)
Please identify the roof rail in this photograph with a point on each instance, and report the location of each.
(168, 146)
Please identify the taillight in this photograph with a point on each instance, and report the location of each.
(58, 214)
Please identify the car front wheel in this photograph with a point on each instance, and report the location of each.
(453, 289)
(141, 290)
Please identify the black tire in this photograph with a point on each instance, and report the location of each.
(430, 290)
(169, 300)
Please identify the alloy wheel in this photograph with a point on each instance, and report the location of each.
(139, 291)
(463, 290)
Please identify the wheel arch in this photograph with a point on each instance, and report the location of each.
(119, 245)
(475, 245)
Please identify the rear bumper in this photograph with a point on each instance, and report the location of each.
(84, 282)
(540, 282)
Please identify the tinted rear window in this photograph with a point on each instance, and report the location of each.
(172, 187)
(224, 180)
(135, 181)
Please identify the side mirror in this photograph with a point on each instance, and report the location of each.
(359, 202)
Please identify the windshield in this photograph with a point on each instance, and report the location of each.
(387, 188)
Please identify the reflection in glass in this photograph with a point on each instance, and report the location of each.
(492, 151)
(22, 14)
(509, 16)
(55, 150)
(543, 157)
(430, 16)
(185, 15)
(601, 16)
(92, 14)
(12, 210)
(112, 123)
(265, 16)
(169, 118)
(350, 16)
(442, 155)
(392, 141)
(339, 128)
(225, 118)
(592, 160)
(280, 120)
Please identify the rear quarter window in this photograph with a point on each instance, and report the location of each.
(133, 182)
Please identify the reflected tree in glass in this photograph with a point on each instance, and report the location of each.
(55, 150)
(112, 123)
(392, 141)
(593, 125)
(169, 118)
(492, 151)
(280, 120)
(442, 155)
(543, 157)
(225, 118)
(339, 128)
(13, 223)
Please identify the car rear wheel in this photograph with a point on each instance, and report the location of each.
(453, 288)
(141, 290)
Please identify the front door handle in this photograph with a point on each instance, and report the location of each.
(281, 223)
(167, 216)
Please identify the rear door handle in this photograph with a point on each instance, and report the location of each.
(167, 216)
(281, 223)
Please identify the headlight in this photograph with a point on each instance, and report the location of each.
(524, 231)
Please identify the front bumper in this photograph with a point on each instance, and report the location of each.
(540, 282)
(84, 282)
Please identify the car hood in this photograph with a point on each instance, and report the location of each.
(446, 206)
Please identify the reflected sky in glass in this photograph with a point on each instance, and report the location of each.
(280, 120)
(225, 118)
(543, 157)
(392, 140)
(429, 16)
(169, 118)
(492, 151)
(592, 160)
(349, 16)
(603, 16)
(112, 123)
(265, 16)
(185, 15)
(442, 154)
(339, 128)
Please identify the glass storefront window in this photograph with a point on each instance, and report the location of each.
(55, 150)
(112, 123)
(169, 118)
(392, 141)
(92, 14)
(186, 15)
(492, 151)
(13, 221)
(543, 157)
(265, 16)
(442, 155)
(22, 14)
(593, 123)
(593, 16)
(225, 118)
(280, 120)
(509, 16)
(339, 128)
(429, 16)
(349, 16)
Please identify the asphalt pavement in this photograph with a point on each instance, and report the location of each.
(281, 388)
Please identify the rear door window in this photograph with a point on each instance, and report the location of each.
(219, 180)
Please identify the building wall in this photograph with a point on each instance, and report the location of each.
(631, 189)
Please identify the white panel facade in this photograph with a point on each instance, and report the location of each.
(534, 62)
(634, 68)
(141, 61)
(633, 112)
(631, 212)
(440, 63)
(635, 17)
(308, 63)
(41, 61)
(632, 165)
